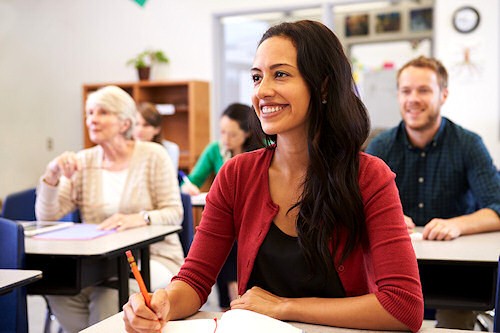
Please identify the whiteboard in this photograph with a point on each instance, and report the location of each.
(380, 98)
(375, 67)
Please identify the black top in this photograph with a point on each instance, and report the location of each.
(288, 275)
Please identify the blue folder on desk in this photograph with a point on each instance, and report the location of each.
(75, 232)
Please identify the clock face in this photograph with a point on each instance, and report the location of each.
(466, 19)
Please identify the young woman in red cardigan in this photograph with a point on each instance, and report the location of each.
(320, 229)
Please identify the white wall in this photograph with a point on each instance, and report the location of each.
(50, 48)
(474, 100)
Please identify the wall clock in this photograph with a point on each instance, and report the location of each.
(466, 19)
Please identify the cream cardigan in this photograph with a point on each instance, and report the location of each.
(151, 186)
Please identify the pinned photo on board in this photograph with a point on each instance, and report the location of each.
(421, 19)
(356, 25)
(388, 22)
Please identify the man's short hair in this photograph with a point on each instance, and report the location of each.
(431, 63)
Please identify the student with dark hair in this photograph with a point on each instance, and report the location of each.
(320, 228)
(235, 138)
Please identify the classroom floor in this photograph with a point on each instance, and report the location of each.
(37, 311)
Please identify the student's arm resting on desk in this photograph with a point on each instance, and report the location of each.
(153, 171)
(484, 181)
(362, 312)
(483, 220)
(393, 298)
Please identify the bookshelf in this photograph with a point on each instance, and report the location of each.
(188, 126)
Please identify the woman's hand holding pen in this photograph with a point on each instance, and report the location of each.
(258, 300)
(66, 164)
(139, 318)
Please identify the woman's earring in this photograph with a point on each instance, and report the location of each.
(323, 101)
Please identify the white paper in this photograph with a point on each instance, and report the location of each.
(241, 321)
(165, 109)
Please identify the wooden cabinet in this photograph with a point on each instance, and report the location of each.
(189, 126)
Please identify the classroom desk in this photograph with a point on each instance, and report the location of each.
(69, 266)
(461, 273)
(199, 200)
(115, 324)
(14, 278)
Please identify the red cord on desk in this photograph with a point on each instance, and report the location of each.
(215, 319)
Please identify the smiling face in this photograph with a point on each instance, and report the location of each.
(144, 131)
(420, 98)
(280, 95)
(103, 125)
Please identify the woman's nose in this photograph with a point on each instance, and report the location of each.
(265, 89)
(91, 119)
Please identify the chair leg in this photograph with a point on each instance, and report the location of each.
(484, 321)
(46, 328)
(49, 318)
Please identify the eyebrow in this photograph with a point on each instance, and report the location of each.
(272, 67)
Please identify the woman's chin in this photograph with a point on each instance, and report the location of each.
(95, 139)
(269, 131)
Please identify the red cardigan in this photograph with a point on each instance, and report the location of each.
(239, 206)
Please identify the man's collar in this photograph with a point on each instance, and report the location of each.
(434, 141)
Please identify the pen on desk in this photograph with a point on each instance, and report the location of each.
(138, 278)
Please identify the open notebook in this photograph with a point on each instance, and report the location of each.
(242, 321)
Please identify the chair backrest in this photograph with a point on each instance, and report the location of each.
(21, 206)
(13, 308)
(186, 235)
(496, 321)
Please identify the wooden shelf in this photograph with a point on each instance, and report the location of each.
(189, 126)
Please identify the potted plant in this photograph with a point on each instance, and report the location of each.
(144, 60)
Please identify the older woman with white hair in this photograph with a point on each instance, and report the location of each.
(118, 184)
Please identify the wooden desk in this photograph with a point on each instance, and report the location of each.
(461, 273)
(14, 278)
(115, 324)
(69, 266)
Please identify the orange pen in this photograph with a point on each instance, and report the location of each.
(139, 280)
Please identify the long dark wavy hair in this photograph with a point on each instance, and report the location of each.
(331, 201)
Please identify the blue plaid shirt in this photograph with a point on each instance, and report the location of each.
(452, 176)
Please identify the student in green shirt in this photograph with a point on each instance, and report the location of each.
(235, 138)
